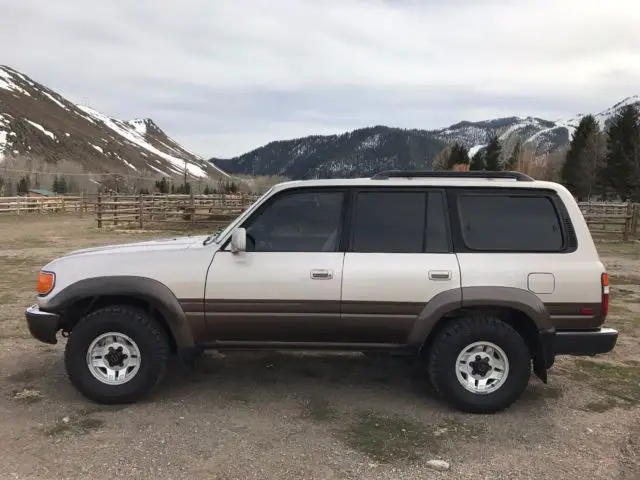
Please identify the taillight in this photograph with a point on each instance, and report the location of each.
(604, 281)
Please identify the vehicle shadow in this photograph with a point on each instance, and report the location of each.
(299, 372)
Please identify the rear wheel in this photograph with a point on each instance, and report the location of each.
(116, 354)
(479, 364)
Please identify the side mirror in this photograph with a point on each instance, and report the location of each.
(239, 240)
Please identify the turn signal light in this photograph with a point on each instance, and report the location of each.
(45, 282)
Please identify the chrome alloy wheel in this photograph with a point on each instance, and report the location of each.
(482, 367)
(113, 358)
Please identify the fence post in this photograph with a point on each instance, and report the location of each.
(193, 208)
(99, 210)
(634, 220)
(81, 204)
(141, 212)
(627, 223)
(115, 210)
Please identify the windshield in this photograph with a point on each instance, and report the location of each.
(218, 234)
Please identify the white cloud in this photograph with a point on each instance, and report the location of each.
(429, 62)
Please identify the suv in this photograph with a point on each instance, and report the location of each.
(481, 276)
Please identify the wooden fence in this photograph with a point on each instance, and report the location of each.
(171, 211)
(612, 219)
(153, 211)
(43, 205)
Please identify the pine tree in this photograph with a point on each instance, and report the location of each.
(23, 186)
(162, 185)
(458, 155)
(62, 186)
(477, 161)
(622, 162)
(493, 154)
(514, 158)
(56, 184)
(579, 167)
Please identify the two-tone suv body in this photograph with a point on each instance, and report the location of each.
(480, 274)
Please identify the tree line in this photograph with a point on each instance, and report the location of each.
(605, 163)
(488, 158)
(598, 163)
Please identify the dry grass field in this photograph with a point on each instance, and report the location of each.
(313, 416)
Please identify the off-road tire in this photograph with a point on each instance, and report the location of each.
(142, 328)
(452, 339)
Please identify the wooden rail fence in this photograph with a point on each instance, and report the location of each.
(170, 211)
(145, 211)
(42, 205)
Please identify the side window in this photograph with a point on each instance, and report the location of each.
(306, 221)
(388, 222)
(509, 223)
(437, 238)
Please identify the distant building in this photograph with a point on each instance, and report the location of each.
(41, 192)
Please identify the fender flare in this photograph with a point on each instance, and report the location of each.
(152, 291)
(454, 299)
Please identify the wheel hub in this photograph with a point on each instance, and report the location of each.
(116, 357)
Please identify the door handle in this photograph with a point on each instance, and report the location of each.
(319, 274)
(439, 274)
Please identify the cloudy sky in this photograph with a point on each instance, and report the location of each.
(226, 76)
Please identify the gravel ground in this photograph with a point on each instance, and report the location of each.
(312, 416)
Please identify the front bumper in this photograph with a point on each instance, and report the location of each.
(43, 326)
(583, 342)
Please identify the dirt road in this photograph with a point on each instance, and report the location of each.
(317, 416)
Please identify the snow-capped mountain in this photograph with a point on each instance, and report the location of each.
(365, 151)
(36, 121)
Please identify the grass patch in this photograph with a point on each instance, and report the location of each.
(392, 439)
(601, 406)
(70, 427)
(27, 375)
(541, 392)
(619, 381)
(624, 280)
(318, 409)
(7, 299)
(27, 395)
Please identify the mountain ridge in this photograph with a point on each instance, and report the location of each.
(289, 157)
(36, 121)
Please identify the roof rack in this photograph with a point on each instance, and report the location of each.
(519, 176)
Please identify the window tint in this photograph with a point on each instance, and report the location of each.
(437, 240)
(297, 222)
(509, 223)
(389, 222)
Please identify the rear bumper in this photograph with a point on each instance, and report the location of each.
(582, 342)
(43, 326)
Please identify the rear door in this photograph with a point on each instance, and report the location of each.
(398, 257)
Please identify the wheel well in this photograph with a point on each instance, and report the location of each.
(517, 319)
(77, 310)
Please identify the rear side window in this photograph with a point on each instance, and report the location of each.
(389, 222)
(399, 222)
(509, 223)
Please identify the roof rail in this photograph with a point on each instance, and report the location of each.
(519, 176)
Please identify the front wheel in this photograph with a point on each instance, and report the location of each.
(116, 354)
(479, 364)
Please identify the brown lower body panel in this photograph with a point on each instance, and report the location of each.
(320, 322)
(575, 316)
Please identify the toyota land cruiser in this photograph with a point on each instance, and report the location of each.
(483, 276)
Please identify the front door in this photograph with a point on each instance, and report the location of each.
(286, 287)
